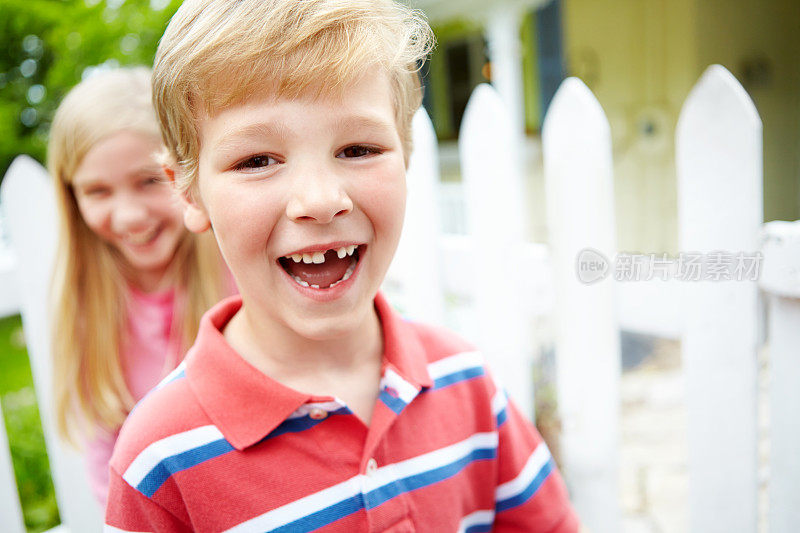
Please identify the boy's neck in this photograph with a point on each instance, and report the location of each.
(312, 366)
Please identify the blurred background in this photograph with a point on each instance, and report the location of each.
(639, 57)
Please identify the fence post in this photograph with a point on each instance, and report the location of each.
(27, 199)
(719, 166)
(580, 214)
(417, 263)
(780, 280)
(493, 197)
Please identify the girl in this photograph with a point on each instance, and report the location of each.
(130, 283)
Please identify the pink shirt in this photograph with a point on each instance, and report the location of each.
(150, 350)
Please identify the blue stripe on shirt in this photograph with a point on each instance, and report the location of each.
(181, 461)
(456, 377)
(392, 402)
(530, 490)
(193, 457)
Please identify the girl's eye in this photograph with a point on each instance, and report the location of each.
(358, 150)
(256, 162)
(95, 192)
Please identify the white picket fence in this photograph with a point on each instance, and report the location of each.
(491, 285)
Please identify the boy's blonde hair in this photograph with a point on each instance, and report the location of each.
(217, 53)
(89, 287)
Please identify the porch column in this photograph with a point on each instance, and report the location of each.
(502, 35)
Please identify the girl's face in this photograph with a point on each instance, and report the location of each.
(123, 199)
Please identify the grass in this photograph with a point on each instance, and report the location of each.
(24, 428)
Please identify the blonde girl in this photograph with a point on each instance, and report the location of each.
(130, 283)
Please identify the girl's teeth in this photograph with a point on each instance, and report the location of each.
(141, 238)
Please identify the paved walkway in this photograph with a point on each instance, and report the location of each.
(653, 456)
(654, 486)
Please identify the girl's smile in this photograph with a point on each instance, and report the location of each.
(123, 199)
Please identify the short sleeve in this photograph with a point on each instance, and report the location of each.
(129, 510)
(530, 496)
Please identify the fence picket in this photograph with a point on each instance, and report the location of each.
(27, 198)
(578, 176)
(493, 197)
(416, 266)
(719, 165)
(780, 280)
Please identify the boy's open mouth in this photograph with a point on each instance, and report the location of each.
(322, 270)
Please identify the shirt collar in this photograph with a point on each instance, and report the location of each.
(402, 347)
(246, 405)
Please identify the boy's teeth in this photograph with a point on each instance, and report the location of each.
(319, 257)
(347, 274)
(300, 281)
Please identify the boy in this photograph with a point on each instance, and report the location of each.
(306, 403)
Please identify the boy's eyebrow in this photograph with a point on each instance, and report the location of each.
(259, 130)
(363, 122)
(270, 130)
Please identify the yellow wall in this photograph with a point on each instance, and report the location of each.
(735, 31)
(638, 57)
(641, 58)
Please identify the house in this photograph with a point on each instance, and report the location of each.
(640, 58)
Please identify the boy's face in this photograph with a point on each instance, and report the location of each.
(306, 198)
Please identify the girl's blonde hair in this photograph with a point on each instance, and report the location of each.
(89, 287)
(217, 53)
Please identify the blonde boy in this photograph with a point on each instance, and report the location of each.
(306, 403)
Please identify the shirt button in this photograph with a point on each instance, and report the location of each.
(372, 466)
(317, 413)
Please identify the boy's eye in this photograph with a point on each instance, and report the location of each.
(358, 150)
(256, 162)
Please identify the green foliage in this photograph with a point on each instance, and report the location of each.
(31, 467)
(24, 429)
(50, 44)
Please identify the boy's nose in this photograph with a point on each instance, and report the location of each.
(319, 200)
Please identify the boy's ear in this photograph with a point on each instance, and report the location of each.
(195, 217)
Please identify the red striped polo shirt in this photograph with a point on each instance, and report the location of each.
(219, 446)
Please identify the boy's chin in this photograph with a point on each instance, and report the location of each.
(332, 327)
